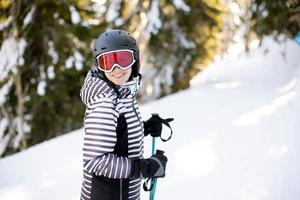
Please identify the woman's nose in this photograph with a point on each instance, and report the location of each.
(117, 68)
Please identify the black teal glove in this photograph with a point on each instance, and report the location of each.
(154, 167)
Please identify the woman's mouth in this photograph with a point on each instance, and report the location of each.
(118, 75)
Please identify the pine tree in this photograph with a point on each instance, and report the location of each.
(281, 17)
(51, 43)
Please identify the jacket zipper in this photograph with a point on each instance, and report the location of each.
(136, 114)
(121, 188)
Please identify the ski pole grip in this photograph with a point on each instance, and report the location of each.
(160, 152)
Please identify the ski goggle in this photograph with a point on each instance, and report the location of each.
(124, 59)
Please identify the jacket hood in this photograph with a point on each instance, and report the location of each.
(95, 87)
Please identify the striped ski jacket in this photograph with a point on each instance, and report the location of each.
(113, 138)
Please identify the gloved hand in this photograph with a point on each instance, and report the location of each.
(154, 167)
(153, 126)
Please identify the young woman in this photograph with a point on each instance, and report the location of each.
(113, 163)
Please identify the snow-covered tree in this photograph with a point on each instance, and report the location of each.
(13, 127)
(281, 17)
(43, 49)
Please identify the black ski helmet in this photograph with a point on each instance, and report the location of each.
(115, 40)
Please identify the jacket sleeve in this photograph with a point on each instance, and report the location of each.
(100, 125)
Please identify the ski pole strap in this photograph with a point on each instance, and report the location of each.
(166, 122)
(146, 183)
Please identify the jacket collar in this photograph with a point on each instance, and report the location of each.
(95, 86)
(128, 88)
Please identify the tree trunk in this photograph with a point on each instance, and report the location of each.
(20, 111)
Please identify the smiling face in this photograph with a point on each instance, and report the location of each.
(119, 76)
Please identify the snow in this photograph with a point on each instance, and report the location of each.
(168, 73)
(75, 16)
(69, 62)
(76, 59)
(51, 72)
(113, 10)
(100, 2)
(4, 91)
(52, 52)
(3, 126)
(181, 38)
(61, 21)
(44, 162)
(119, 21)
(22, 128)
(181, 5)
(154, 22)
(4, 142)
(11, 47)
(41, 89)
(6, 23)
(28, 17)
(4, 122)
(236, 137)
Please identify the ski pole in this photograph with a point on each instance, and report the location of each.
(153, 180)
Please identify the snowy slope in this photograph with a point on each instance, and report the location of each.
(236, 137)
